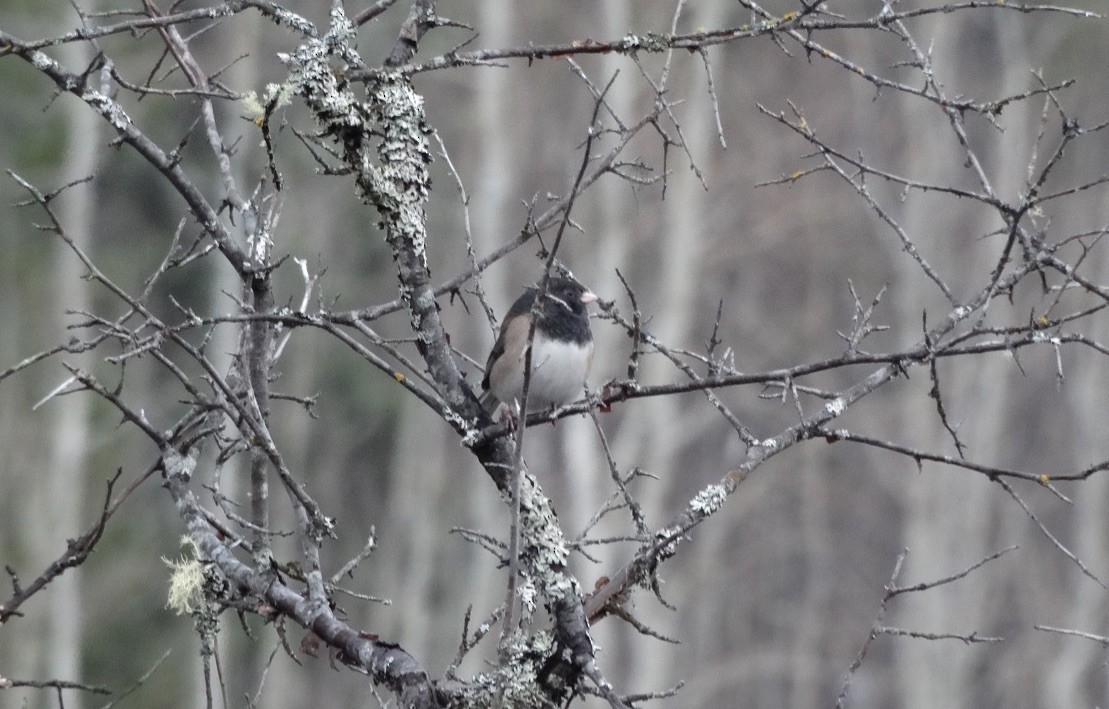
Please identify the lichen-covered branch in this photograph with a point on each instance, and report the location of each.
(385, 662)
(384, 141)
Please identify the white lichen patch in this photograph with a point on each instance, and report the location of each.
(177, 465)
(528, 596)
(341, 36)
(708, 500)
(770, 444)
(293, 21)
(470, 428)
(109, 109)
(836, 406)
(670, 536)
(40, 61)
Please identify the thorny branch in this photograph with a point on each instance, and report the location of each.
(892, 591)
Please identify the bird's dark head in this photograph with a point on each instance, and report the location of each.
(564, 291)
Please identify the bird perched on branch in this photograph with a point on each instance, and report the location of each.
(562, 348)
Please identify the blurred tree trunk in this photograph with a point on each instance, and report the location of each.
(491, 143)
(930, 675)
(242, 58)
(60, 494)
(1076, 673)
(496, 217)
(1068, 683)
(586, 479)
(665, 430)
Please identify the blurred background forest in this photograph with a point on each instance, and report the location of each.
(774, 595)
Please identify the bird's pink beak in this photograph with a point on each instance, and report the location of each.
(588, 297)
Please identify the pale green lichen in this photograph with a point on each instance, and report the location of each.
(515, 682)
(186, 582)
(384, 136)
(545, 553)
(279, 94)
(650, 42)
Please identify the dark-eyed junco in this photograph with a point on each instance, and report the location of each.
(563, 348)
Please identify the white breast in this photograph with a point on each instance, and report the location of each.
(558, 374)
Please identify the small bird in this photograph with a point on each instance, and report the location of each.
(563, 348)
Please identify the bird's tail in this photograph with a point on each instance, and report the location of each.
(489, 401)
